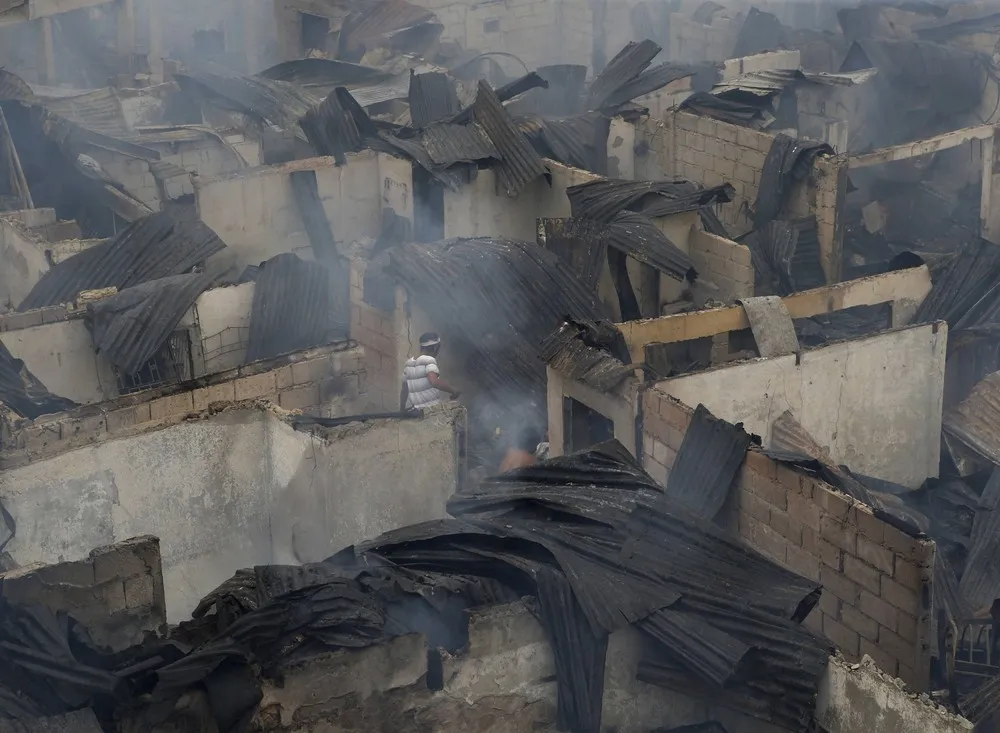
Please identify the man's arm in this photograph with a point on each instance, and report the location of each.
(435, 379)
(404, 394)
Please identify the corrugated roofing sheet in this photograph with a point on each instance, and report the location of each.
(395, 88)
(100, 111)
(275, 102)
(976, 420)
(581, 244)
(603, 200)
(322, 72)
(154, 247)
(639, 237)
(448, 144)
(980, 585)
(292, 309)
(583, 352)
(648, 82)
(580, 141)
(709, 458)
(519, 164)
(131, 326)
(627, 64)
(432, 98)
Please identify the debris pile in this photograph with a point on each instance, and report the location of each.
(590, 537)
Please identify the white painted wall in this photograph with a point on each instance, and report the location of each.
(255, 214)
(223, 315)
(873, 403)
(236, 489)
(62, 356)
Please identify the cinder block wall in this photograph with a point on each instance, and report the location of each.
(710, 152)
(325, 381)
(724, 263)
(116, 592)
(375, 330)
(877, 581)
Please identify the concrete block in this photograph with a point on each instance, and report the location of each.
(257, 386)
(178, 404)
(205, 396)
(300, 398)
(312, 370)
(17, 321)
(139, 591)
(899, 596)
(111, 595)
(283, 377)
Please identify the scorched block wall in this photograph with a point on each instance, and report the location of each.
(877, 581)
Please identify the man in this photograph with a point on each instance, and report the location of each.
(522, 453)
(422, 383)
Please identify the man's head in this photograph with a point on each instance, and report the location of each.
(430, 344)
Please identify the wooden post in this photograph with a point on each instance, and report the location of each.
(17, 173)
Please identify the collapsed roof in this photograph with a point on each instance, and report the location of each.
(713, 614)
(158, 246)
(501, 298)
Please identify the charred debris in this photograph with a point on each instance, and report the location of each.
(590, 540)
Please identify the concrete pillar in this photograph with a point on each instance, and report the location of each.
(125, 26)
(48, 52)
(155, 41)
(989, 204)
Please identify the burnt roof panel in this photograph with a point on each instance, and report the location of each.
(519, 164)
(447, 144)
(627, 64)
(150, 248)
(604, 199)
(131, 326)
(432, 98)
(22, 392)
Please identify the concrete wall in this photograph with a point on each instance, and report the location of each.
(23, 258)
(223, 315)
(710, 152)
(255, 214)
(116, 591)
(234, 489)
(877, 581)
(206, 158)
(480, 210)
(503, 682)
(61, 354)
(723, 263)
(859, 699)
(326, 381)
(873, 403)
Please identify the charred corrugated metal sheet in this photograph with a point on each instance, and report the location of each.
(786, 256)
(788, 161)
(264, 100)
(305, 191)
(709, 458)
(432, 98)
(648, 82)
(519, 164)
(448, 144)
(505, 93)
(980, 584)
(498, 298)
(99, 111)
(627, 64)
(967, 292)
(982, 705)
(603, 200)
(323, 72)
(976, 420)
(639, 237)
(157, 246)
(131, 326)
(581, 244)
(580, 142)
(584, 352)
(14, 87)
(727, 110)
(22, 392)
(361, 30)
(293, 309)
(396, 88)
(566, 89)
(331, 128)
